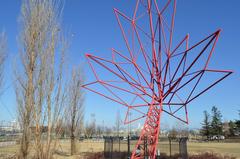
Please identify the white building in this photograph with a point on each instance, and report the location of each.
(9, 126)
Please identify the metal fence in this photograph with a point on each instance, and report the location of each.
(115, 148)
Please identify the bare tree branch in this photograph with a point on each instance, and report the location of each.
(39, 86)
(75, 100)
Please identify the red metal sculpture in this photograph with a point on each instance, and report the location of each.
(158, 74)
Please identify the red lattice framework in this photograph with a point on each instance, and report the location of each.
(157, 74)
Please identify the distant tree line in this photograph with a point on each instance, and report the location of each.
(213, 124)
(93, 130)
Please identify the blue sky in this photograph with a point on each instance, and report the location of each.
(96, 31)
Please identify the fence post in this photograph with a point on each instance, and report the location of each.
(119, 143)
(104, 147)
(183, 147)
(128, 146)
(170, 146)
(111, 147)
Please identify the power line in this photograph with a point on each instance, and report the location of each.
(2, 103)
(6, 108)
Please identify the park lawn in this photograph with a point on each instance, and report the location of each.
(63, 147)
(84, 146)
(9, 149)
(231, 149)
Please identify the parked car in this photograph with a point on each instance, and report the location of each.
(135, 137)
(81, 138)
(217, 137)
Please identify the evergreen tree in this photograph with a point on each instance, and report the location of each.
(206, 124)
(239, 114)
(237, 123)
(216, 124)
(232, 128)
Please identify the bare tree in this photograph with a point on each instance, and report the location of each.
(99, 131)
(90, 128)
(108, 131)
(39, 90)
(3, 53)
(182, 129)
(118, 123)
(173, 133)
(75, 100)
(226, 128)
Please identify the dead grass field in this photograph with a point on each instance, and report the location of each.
(230, 149)
(63, 148)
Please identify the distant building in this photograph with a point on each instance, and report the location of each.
(9, 125)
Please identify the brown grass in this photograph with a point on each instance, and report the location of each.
(89, 147)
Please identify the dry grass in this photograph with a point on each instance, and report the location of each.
(230, 149)
(88, 146)
(9, 150)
